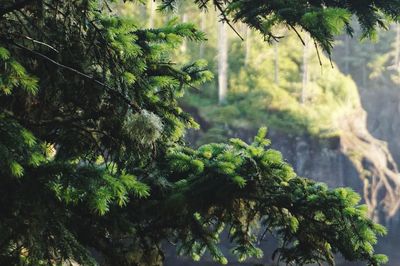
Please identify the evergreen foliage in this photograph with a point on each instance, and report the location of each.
(322, 19)
(92, 154)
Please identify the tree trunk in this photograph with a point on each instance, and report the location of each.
(364, 74)
(248, 45)
(202, 28)
(152, 11)
(276, 63)
(184, 43)
(222, 62)
(346, 54)
(305, 70)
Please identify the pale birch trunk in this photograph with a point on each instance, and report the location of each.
(347, 54)
(152, 11)
(184, 43)
(305, 72)
(222, 62)
(202, 28)
(248, 46)
(276, 63)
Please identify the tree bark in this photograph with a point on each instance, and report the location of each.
(184, 43)
(346, 54)
(248, 45)
(202, 28)
(305, 72)
(222, 62)
(152, 11)
(276, 63)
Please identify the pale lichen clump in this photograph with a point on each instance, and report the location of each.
(144, 127)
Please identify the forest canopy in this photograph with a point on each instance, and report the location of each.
(92, 154)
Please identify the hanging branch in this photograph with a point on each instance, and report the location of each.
(319, 56)
(226, 19)
(132, 104)
(297, 33)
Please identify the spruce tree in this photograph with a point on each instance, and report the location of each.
(92, 156)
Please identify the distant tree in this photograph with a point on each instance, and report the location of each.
(304, 70)
(202, 28)
(384, 63)
(92, 154)
(152, 9)
(222, 62)
(276, 63)
(247, 45)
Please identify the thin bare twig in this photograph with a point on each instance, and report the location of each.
(38, 42)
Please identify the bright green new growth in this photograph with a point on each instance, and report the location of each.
(311, 220)
(80, 89)
(321, 19)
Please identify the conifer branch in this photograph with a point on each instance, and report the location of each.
(109, 89)
(226, 19)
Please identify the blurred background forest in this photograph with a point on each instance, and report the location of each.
(336, 121)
